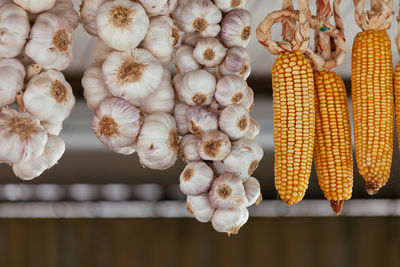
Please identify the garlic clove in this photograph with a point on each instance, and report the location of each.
(122, 24)
(191, 38)
(159, 7)
(200, 207)
(53, 128)
(231, 89)
(227, 192)
(12, 75)
(237, 61)
(236, 28)
(65, 10)
(228, 5)
(35, 6)
(88, 12)
(188, 148)
(201, 119)
(197, 88)
(209, 52)
(254, 129)
(213, 145)
(229, 221)
(116, 123)
(253, 191)
(180, 113)
(101, 51)
(196, 178)
(234, 120)
(184, 60)
(95, 90)
(49, 97)
(132, 74)
(157, 144)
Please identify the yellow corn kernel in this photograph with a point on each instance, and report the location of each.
(294, 124)
(397, 99)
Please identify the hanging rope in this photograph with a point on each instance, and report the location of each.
(378, 18)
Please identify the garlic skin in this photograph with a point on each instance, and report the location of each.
(161, 38)
(197, 88)
(213, 145)
(49, 97)
(157, 144)
(88, 12)
(234, 120)
(116, 123)
(196, 178)
(176, 14)
(12, 75)
(14, 28)
(231, 89)
(21, 136)
(122, 24)
(65, 10)
(52, 128)
(188, 148)
(184, 59)
(32, 168)
(209, 52)
(228, 5)
(201, 16)
(101, 51)
(200, 207)
(214, 71)
(94, 88)
(128, 150)
(182, 123)
(219, 167)
(254, 129)
(51, 42)
(191, 38)
(201, 119)
(177, 82)
(227, 192)
(236, 28)
(253, 191)
(35, 6)
(229, 221)
(159, 7)
(237, 61)
(132, 74)
(248, 100)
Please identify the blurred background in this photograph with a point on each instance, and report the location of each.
(98, 208)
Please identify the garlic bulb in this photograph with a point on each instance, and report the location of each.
(184, 59)
(180, 113)
(254, 129)
(234, 120)
(188, 148)
(200, 207)
(95, 90)
(122, 24)
(161, 38)
(237, 61)
(88, 15)
(227, 192)
(51, 42)
(159, 7)
(236, 28)
(49, 97)
(116, 123)
(209, 52)
(65, 10)
(177, 82)
(198, 87)
(157, 144)
(219, 167)
(229, 221)
(14, 29)
(132, 74)
(196, 178)
(248, 100)
(231, 89)
(213, 145)
(101, 51)
(12, 75)
(228, 5)
(176, 14)
(214, 71)
(191, 38)
(201, 16)
(161, 101)
(253, 191)
(21, 136)
(244, 157)
(35, 6)
(32, 168)
(128, 150)
(201, 119)
(52, 128)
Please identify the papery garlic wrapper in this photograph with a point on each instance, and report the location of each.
(213, 145)
(65, 9)
(253, 191)
(35, 6)
(88, 15)
(197, 88)
(237, 61)
(159, 7)
(188, 148)
(209, 52)
(122, 24)
(182, 123)
(228, 5)
(184, 59)
(49, 97)
(236, 28)
(52, 128)
(196, 178)
(231, 89)
(200, 207)
(21, 136)
(254, 129)
(12, 75)
(229, 221)
(95, 90)
(201, 119)
(234, 120)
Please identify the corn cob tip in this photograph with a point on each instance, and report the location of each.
(372, 188)
(337, 206)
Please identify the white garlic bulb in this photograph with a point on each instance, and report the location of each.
(49, 96)
(88, 12)
(132, 74)
(197, 88)
(229, 221)
(35, 6)
(248, 100)
(122, 24)
(201, 119)
(209, 52)
(51, 42)
(95, 90)
(65, 10)
(101, 51)
(219, 167)
(231, 89)
(244, 157)
(116, 123)
(254, 129)
(228, 5)
(188, 148)
(184, 59)
(180, 113)
(200, 207)
(21, 136)
(14, 28)
(12, 76)
(159, 7)
(253, 191)
(52, 128)
(127, 150)
(213, 145)
(32, 168)
(227, 192)
(201, 16)
(234, 120)
(177, 82)
(191, 38)
(176, 14)
(236, 28)
(161, 101)
(196, 178)
(161, 38)
(157, 144)
(214, 71)
(237, 61)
